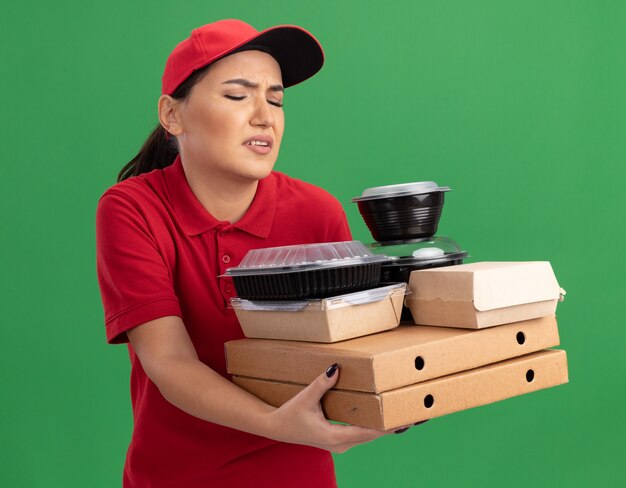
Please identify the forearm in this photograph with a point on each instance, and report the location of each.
(169, 358)
(198, 390)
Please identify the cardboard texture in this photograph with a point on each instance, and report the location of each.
(391, 359)
(434, 398)
(483, 294)
(315, 325)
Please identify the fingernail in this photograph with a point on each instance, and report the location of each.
(331, 370)
(420, 422)
(400, 431)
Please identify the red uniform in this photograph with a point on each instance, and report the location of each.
(160, 253)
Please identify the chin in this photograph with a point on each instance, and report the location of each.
(258, 171)
(259, 174)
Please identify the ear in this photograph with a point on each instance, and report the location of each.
(169, 115)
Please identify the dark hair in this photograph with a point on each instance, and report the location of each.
(159, 151)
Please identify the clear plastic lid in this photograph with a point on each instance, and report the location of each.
(400, 190)
(316, 305)
(305, 257)
(426, 250)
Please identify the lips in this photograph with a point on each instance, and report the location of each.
(259, 144)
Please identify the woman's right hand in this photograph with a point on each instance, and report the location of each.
(302, 421)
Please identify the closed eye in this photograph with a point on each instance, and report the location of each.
(239, 98)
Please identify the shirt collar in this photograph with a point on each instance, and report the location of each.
(194, 218)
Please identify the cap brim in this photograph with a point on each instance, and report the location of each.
(297, 52)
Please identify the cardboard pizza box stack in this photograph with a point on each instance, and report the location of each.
(482, 334)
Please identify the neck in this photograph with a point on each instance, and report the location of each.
(226, 199)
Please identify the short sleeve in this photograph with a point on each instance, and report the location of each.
(339, 229)
(135, 281)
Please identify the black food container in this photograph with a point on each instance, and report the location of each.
(402, 212)
(410, 256)
(307, 271)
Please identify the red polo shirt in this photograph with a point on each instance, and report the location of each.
(159, 253)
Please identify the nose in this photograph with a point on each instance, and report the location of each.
(262, 115)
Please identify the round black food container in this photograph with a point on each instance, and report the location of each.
(307, 271)
(410, 256)
(402, 212)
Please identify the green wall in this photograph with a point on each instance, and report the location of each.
(518, 106)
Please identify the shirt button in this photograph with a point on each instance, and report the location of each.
(228, 289)
(226, 258)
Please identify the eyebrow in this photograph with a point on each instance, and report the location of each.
(250, 84)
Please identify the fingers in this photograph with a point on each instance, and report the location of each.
(302, 421)
(313, 393)
(352, 435)
(402, 430)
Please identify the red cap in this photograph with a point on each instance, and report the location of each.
(297, 52)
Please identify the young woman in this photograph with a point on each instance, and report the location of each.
(199, 195)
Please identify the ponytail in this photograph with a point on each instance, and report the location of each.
(159, 151)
